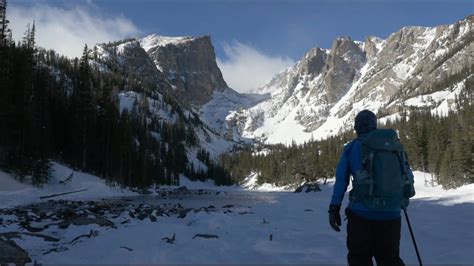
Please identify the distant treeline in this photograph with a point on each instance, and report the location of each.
(441, 145)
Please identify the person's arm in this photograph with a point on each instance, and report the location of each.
(342, 178)
(411, 178)
(340, 187)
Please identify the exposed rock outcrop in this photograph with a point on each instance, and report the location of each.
(189, 64)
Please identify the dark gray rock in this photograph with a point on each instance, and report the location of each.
(207, 236)
(308, 187)
(84, 220)
(10, 252)
(189, 65)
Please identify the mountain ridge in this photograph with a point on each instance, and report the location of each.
(318, 96)
(378, 74)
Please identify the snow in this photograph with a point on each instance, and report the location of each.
(392, 118)
(447, 103)
(127, 100)
(441, 102)
(13, 193)
(427, 192)
(297, 223)
(298, 109)
(427, 99)
(153, 40)
(250, 183)
(403, 70)
(425, 39)
(214, 112)
(184, 181)
(127, 45)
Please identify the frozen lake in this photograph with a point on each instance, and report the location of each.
(241, 227)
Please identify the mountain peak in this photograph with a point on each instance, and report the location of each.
(155, 40)
(322, 93)
(189, 64)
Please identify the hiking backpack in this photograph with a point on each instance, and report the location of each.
(383, 183)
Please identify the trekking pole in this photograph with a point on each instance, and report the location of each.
(412, 236)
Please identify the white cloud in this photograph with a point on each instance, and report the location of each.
(246, 68)
(67, 30)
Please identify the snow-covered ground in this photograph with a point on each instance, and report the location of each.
(13, 193)
(260, 227)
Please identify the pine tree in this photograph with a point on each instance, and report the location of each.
(4, 31)
(84, 103)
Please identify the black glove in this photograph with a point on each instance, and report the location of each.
(335, 217)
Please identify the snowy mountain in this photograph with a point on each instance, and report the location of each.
(322, 93)
(185, 68)
(159, 104)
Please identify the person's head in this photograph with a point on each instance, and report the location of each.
(365, 121)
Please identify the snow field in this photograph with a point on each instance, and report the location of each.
(262, 227)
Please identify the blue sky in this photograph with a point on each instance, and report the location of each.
(286, 27)
(281, 30)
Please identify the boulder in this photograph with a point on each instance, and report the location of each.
(308, 187)
(10, 252)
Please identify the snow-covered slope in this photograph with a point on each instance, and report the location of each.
(13, 193)
(322, 93)
(157, 60)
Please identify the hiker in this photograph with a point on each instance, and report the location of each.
(382, 184)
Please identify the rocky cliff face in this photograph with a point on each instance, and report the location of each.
(159, 104)
(320, 95)
(189, 64)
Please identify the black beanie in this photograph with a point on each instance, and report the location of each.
(365, 121)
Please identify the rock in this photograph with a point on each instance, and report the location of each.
(127, 248)
(178, 206)
(10, 235)
(182, 214)
(93, 233)
(85, 220)
(142, 216)
(58, 249)
(189, 63)
(134, 59)
(205, 236)
(383, 74)
(170, 240)
(308, 187)
(182, 189)
(10, 252)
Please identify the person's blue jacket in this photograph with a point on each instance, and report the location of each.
(349, 163)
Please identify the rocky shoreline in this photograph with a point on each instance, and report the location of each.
(49, 221)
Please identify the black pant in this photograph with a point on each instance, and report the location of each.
(369, 238)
